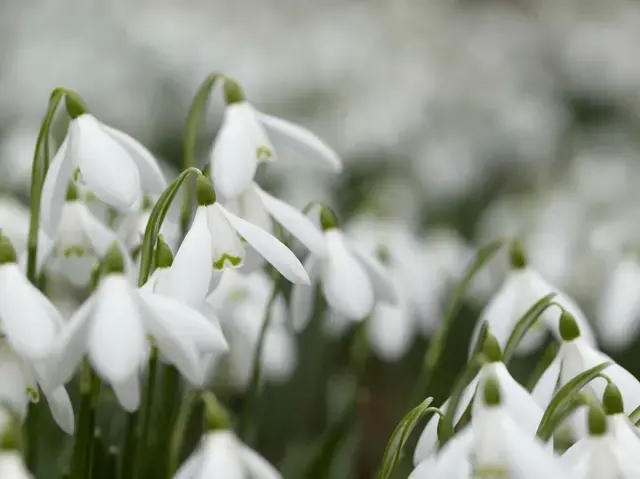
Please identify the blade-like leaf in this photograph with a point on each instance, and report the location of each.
(553, 414)
(634, 417)
(436, 346)
(482, 336)
(400, 435)
(545, 361)
(525, 323)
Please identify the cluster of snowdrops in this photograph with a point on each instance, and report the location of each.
(159, 262)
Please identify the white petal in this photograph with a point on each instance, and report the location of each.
(451, 462)
(221, 457)
(423, 470)
(390, 331)
(428, 440)
(106, 167)
(546, 385)
(188, 278)
(619, 308)
(226, 248)
(72, 345)
(177, 349)
(191, 467)
(54, 190)
(279, 355)
(249, 205)
(295, 222)
(12, 466)
(234, 157)
(270, 248)
(151, 176)
(345, 282)
(301, 139)
(256, 465)
(99, 235)
(61, 409)
(25, 314)
(302, 295)
(13, 383)
(128, 392)
(384, 287)
(116, 341)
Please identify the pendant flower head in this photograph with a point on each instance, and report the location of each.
(243, 142)
(215, 240)
(352, 281)
(112, 328)
(111, 164)
(522, 288)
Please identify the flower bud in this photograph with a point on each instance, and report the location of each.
(7, 252)
(113, 261)
(569, 329)
(612, 400)
(232, 92)
(517, 256)
(75, 105)
(164, 255)
(205, 194)
(597, 421)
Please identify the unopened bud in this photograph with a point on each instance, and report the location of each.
(205, 194)
(612, 400)
(569, 329)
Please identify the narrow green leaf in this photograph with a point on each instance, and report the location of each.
(401, 434)
(482, 336)
(436, 346)
(525, 323)
(553, 413)
(470, 371)
(634, 417)
(545, 361)
(158, 214)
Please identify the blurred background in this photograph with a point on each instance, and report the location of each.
(458, 121)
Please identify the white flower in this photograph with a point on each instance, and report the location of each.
(14, 222)
(601, 455)
(242, 143)
(222, 454)
(215, 240)
(516, 401)
(29, 320)
(19, 381)
(352, 281)
(575, 356)
(241, 302)
(522, 288)
(112, 327)
(619, 308)
(12, 466)
(111, 164)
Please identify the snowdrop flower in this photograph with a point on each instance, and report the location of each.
(29, 320)
(619, 307)
(19, 381)
(174, 279)
(516, 400)
(241, 303)
(111, 164)
(601, 455)
(352, 280)
(575, 356)
(495, 446)
(221, 453)
(216, 236)
(243, 142)
(80, 240)
(112, 328)
(522, 288)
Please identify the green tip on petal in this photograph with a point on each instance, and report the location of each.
(72, 192)
(612, 400)
(597, 421)
(113, 261)
(569, 329)
(205, 194)
(7, 252)
(491, 349)
(517, 256)
(75, 105)
(492, 394)
(216, 416)
(233, 93)
(164, 255)
(328, 218)
(383, 254)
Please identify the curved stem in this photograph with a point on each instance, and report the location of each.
(141, 456)
(177, 438)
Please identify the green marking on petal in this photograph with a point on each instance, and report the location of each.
(263, 153)
(234, 261)
(494, 471)
(77, 251)
(33, 395)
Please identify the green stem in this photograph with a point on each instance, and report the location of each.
(253, 390)
(129, 445)
(177, 438)
(83, 447)
(111, 469)
(140, 459)
(38, 173)
(194, 119)
(171, 394)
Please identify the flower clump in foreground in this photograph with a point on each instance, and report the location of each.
(190, 294)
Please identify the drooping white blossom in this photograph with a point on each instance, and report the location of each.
(244, 141)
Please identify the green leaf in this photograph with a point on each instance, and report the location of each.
(525, 323)
(634, 417)
(545, 361)
(158, 214)
(436, 346)
(482, 336)
(400, 435)
(552, 417)
(470, 371)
